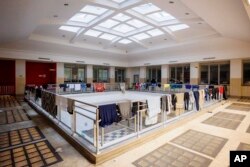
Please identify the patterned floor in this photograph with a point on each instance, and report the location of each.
(8, 101)
(201, 142)
(169, 155)
(36, 154)
(244, 99)
(239, 106)
(225, 120)
(248, 130)
(13, 116)
(244, 147)
(21, 136)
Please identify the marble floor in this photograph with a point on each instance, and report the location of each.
(196, 140)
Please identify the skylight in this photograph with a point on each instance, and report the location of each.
(94, 9)
(155, 32)
(121, 17)
(108, 23)
(119, 1)
(178, 27)
(92, 33)
(84, 18)
(69, 28)
(146, 8)
(108, 36)
(136, 23)
(141, 36)
(125, 41)
(123, 28)
(161, 16)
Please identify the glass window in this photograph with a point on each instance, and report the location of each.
(153, 73)
(180, 74)
(74, 73)
(214, 74)
(246, 73)
(119, 75)
(101, 74)
(204, 74)
(67, 74)
(224, 73)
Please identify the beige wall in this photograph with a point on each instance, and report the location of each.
(194, 73)
(59, 73)
(20, 76)
(89, 73)
(235, 77)
(112, 75)
(164, 74)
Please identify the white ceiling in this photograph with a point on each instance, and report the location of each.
(34, 25)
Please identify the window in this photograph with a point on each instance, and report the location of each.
(74, 73)
(215, 73)
(154, 73)
(119, 75)
(180, 74)
(246, 73)
(101, 74)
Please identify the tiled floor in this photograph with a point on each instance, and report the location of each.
(244, 147)
(13, 115)
(244, 99)
(239, 106)
(169, 155)
(248, 129)
(201, 142)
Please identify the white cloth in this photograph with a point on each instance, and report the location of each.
(154, 108)
(201, 98)
(77, 87)
(191, 96)
(71, 86)
(122, 87)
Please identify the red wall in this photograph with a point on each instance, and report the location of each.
(7, 72)
(40, 73)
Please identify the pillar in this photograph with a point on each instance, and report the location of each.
(89, 72)
(129, 78)
(112, 75)
(194, 73)
(235, 77)
(20, 76)
(142, 74)
(164, 74)
(59, 73)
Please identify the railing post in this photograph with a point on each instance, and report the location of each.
(97, 131)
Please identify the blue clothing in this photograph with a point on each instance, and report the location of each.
(108, 114)
(196, 97)
(188, 86)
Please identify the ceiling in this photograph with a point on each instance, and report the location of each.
(119, 27)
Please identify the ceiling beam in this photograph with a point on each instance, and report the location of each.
(139, 42)
(111, 43)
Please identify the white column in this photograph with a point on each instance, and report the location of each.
(194, 73)
(112, 74)
(20, 76)
(164, 73)
(235, 77)
(59, 73)
(89, 73)
(142, 74)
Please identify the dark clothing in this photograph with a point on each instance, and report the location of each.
(174, 101)
(196, 97)
(108, 114)
(70, 106)
(225, 92)
(38, 93)
(186, 100)
(165, 103)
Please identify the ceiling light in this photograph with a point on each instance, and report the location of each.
(121, 17)
(81, 17)
(141, 36)
(137, 23)
(66, 4)
(155, 32)
(69, 28)
(123, 28)
(108, 36)
(178, 27)
(94, 9)
(125, 41)
(108, 23)
(146, 8)
(161, 16)
(248, 2)
(92, 33)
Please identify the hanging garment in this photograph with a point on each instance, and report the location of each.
(174, 101)
(186, 100)
(191, 100)
(122, 87)
(77, 87)
(207, 97)
(125, 109)
(70, 106)
(83, 87)
(201, 98)
(180, 100)
(108, 114)
(188, 86)
(196, 97)
(154, 108)
(164, 100)
(217, 93)
(225, 92)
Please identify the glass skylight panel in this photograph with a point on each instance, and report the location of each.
(155, 32)
(178, 27)
(108, 23)
(84, 18)
(92, 33)
(69, 28)
(141, 36)
(119, 1)
(146, 8)
(94, 9)
(123, 28)
(121, 17)
(108, 36)
(161, 16)
(125, 41)
(137, 23)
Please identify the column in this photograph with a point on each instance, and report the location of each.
(142, 74)
(112, 75)
(20, 76)
(194, 73)
(59, 73)
(129, 78)
(89, 73)
(235, 77)
(164, 74)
